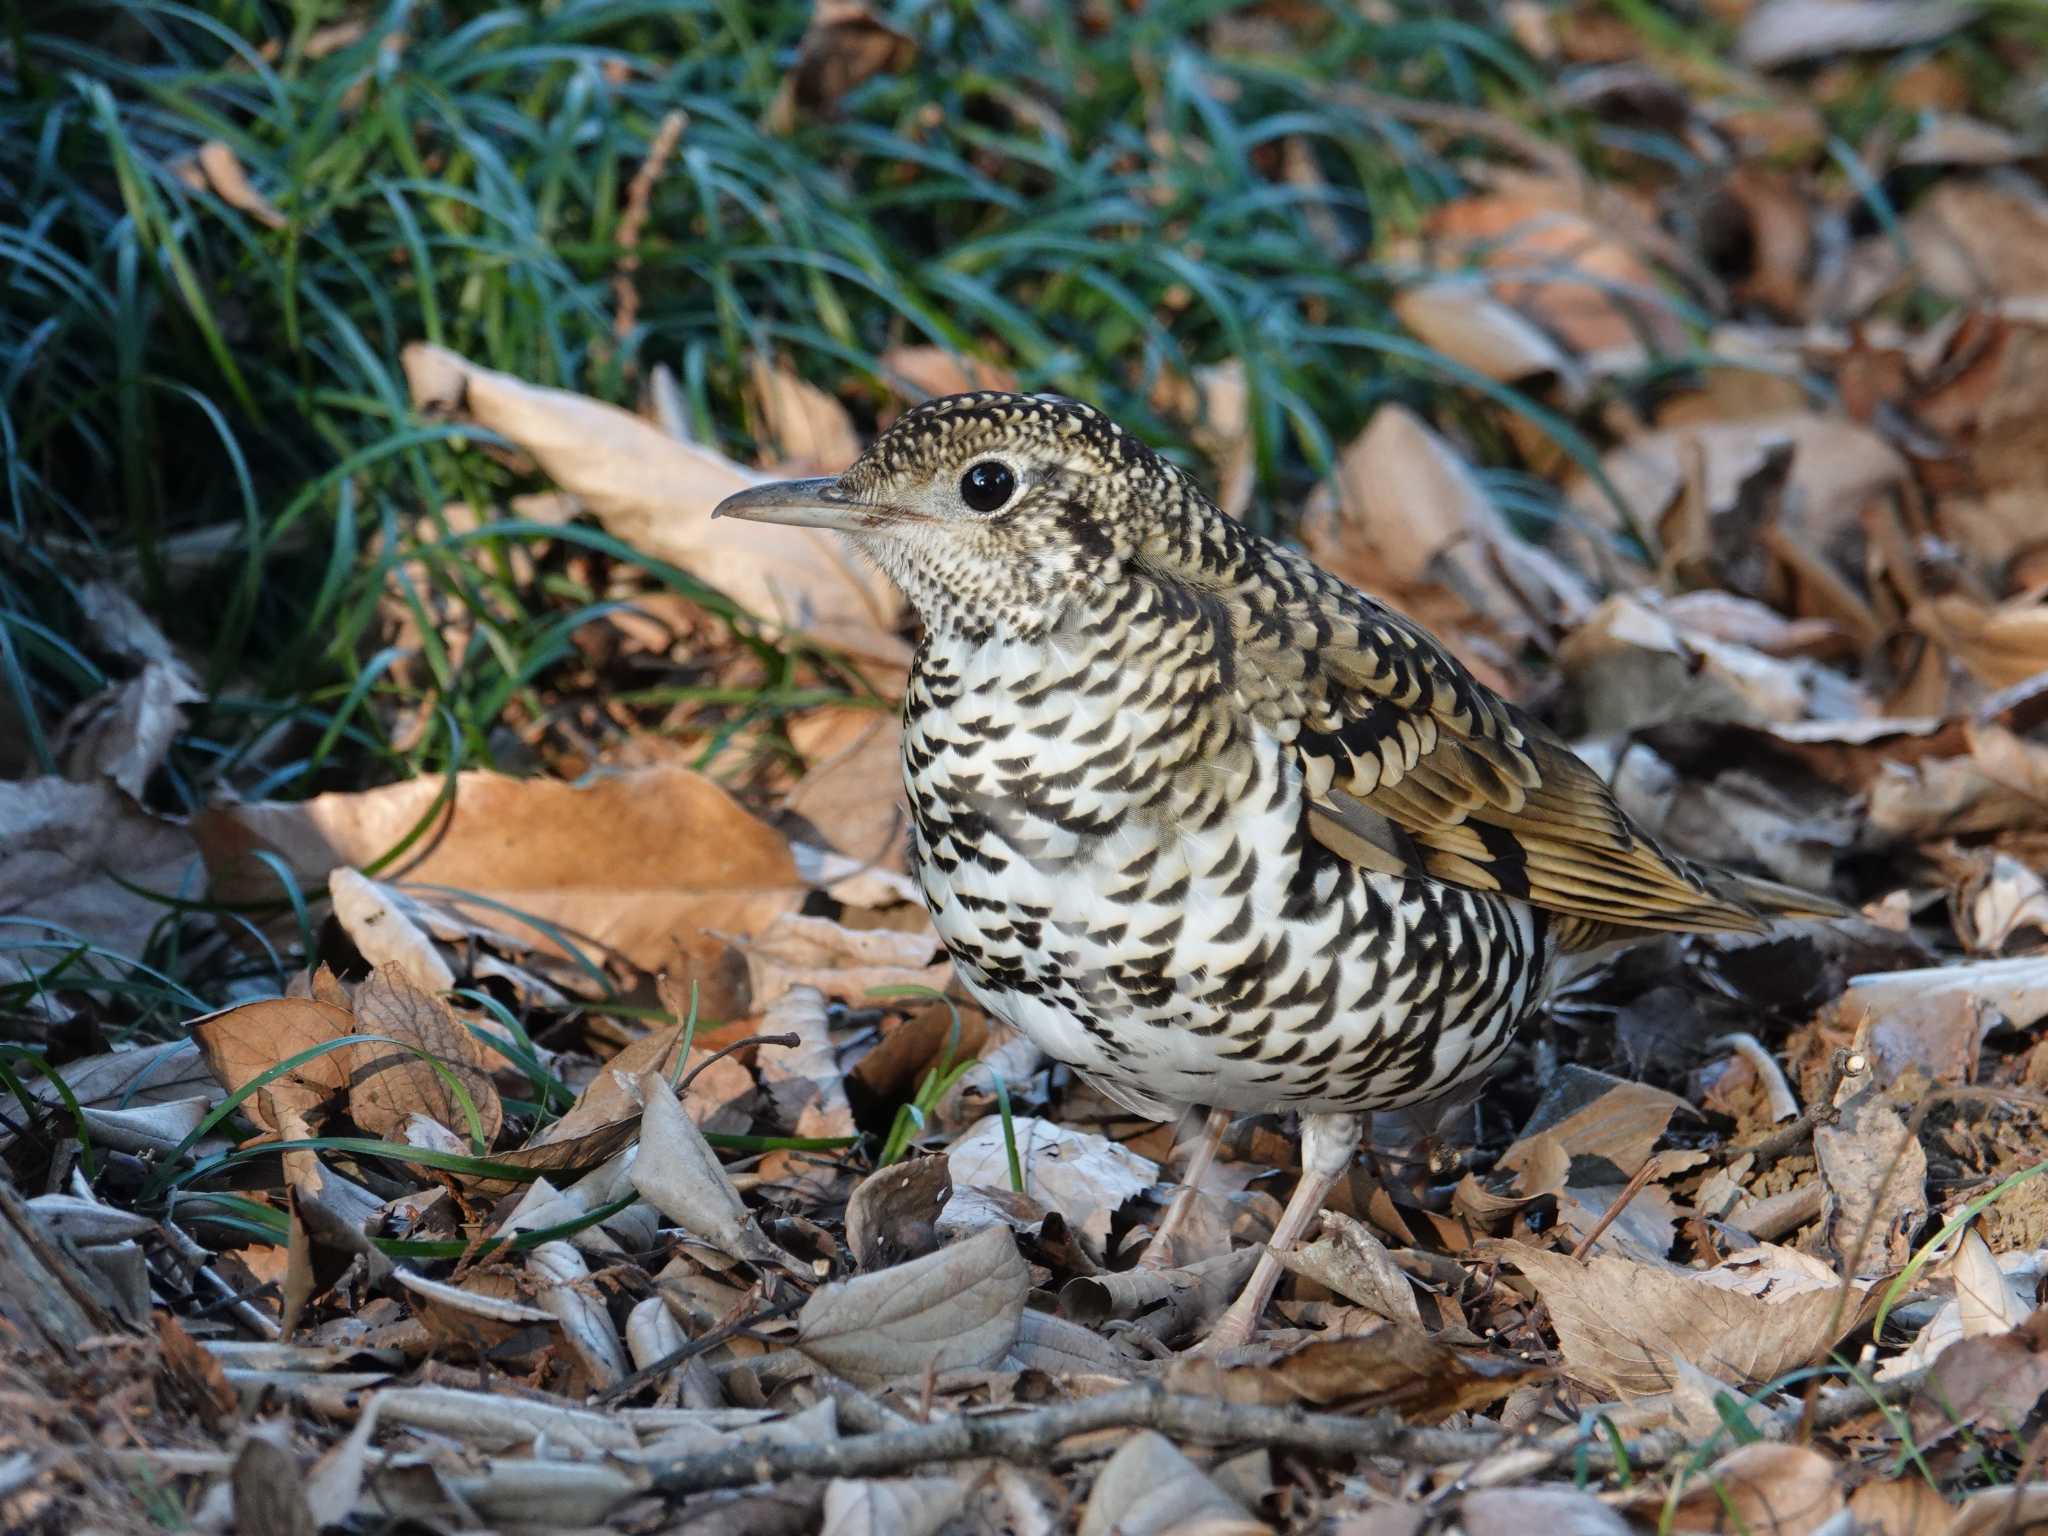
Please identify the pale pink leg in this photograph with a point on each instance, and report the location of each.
(1159, 1252)
(1328, 1143)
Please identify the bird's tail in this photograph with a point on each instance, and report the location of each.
(1770, 898)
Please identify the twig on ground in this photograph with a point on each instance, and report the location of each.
(1205, 1421)
(789, 1041)
(639, 193)
(1788, 1138)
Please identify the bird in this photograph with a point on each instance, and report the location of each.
(1207, 823)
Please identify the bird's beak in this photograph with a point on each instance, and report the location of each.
(802, 504)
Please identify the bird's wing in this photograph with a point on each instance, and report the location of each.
(1413, 766)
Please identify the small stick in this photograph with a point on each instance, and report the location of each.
(1620, 1202)
(789, 1041)
(639, 193)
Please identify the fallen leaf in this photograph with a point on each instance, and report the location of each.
(934, 371)
(1392, 1366)
(1876, 1176)
(1619, 1321)
(270, 1492)
(677, 1173)
(642, 863)
(893, 1213)
(890, 1506)
(1904, 1506)
(1559, 268)
(1348, 1259)
(244, 1042)
(1788, 31)
(807, 428)
(215, 167)
(124, 733)
(1992, 1381)
(1460, 319)
(1169, 1304)
(954, 1309)
(1974, 239)
(852, 792)
(389, 1083)
(838, 961)
(1149, 1488)
(2020, 1511)
(69, 854)
(1553, 1511)
(806, 1086)
(844, 44)
(384, 933)
(1761, 1490)
(656, 494)
(1085, 1177)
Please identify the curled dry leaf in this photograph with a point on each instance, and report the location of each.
(893, 1213)
(566, 1291)
(853, 790)
(1554, 1511)
(1905, 1506)
(123, 733)
(1620, 1321)
(679, 1175)
(245, 1042)
(806, 1083)
(1349, 1260)
(1876, 1175)
(656, 494)
(841, 962)
(844, 44)
(1788, 31)
(384, 932)
(1168, 1304)
(635, 864)
(954, 1309)
(388, 1083)
(1149, 1488)
(807, 428)
(1460, 319)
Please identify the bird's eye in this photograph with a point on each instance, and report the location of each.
(987, 485)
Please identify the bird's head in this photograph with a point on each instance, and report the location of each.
(988, 505)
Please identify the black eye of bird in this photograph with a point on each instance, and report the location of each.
(987, 485)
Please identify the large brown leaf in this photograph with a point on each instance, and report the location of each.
(653, 866)
(388, 1083)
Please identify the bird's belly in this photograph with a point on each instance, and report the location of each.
(1231, 964)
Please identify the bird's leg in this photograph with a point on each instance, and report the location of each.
(1328, 1143)
(1159, 1252)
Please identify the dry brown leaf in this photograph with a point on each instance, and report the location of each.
(643, 864)
(244, 1042)
(853, 790)
(389, 1083)
(215, 167)
(373, 916)
(1410, 517)
(954, 1309)
(1875, 1171)
(270, 1492)
(1348, 1259)
(1149, 1488)
(124, 732)
(1991, 1381)
(893, 1213)
(1619, 1321)
(1977, 239)
(806, 1085)
(2020, 1511)
(657, 494)
(843, 45)
(1904, 1506)
(1788, 31)
(1460, 319)
(1393, 1366)
(807, 429)
(1761, 1490)
(934, 371)
(2000, 645)
(1560, 268)
(678, 1174)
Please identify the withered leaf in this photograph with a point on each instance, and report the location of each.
(1993, 1380)
(1620, 1321)
(1395, 1366)
(1762, 1490)
(890, 1506)
(954, 1309)
(244, 1042)
(1150, 1488)
(389, 1082)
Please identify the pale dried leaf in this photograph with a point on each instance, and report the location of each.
(384, 932)
(230, 182)
(657, 494)
(1553, 1511)
(934, 371)
(1904, 1506)
(841, 962)
(1876, 1176)
(957, 1308)
(1788, 31)
(1348, 1259)
(1468, 325)
(890, 1506)
(565, 1290)
(1085, 1177)
(853, 790)
(123, 733)
(679, 1175)
(1149, 1488)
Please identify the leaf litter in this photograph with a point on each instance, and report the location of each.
(536, 1219)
